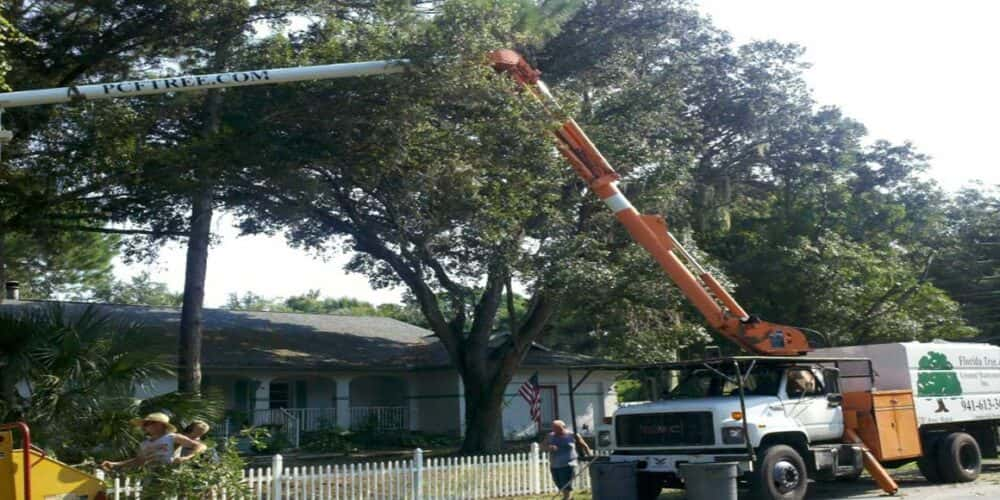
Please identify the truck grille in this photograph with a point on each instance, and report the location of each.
(665, 429)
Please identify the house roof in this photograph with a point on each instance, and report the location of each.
(244, 339)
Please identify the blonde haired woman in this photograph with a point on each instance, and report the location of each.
(161, 441)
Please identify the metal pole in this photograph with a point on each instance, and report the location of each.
(199, 82)
(572, 404)
(743, 412)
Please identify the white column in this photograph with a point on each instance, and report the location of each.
(344, 402)
(262, 401)
(610, 399)
(461, 407)
(413, 403)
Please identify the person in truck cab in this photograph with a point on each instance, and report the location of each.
(801, 382)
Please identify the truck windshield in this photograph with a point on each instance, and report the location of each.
(702, 383)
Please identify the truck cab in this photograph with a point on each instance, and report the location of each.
(740, 410)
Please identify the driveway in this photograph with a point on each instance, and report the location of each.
(913, 486)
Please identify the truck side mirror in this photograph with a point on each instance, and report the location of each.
(831, 381)
(834, 400)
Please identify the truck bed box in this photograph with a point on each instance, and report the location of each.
(951, 381)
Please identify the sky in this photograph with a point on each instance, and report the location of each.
(922, 71)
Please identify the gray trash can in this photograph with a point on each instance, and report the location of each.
(710, 481)
(613, 480)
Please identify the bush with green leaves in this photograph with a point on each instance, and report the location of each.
(83, 368)
(337, 440)
(216, 473)
(328, 439)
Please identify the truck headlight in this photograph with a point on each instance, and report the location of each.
(604, 439)
(733, 435)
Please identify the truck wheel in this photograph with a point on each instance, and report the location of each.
(958, 458)
(673, 483)
(928, 463)
(928, 466)
(780, 475)
(649, 487)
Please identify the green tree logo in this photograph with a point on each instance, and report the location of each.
(936, 376)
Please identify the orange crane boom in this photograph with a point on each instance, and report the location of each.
(719, 308)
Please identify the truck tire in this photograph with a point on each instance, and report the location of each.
(928, 466)
(780, 474)
(673, 483)
(928, 463)
(648, 486)
(959, 459)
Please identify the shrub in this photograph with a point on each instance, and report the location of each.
(213, 474)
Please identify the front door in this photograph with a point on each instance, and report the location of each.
(805, 401)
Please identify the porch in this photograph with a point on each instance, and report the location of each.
(308, 402)
(378, 418)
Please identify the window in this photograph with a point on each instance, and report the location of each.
(279, 395)
(702, 383)
(802, 382)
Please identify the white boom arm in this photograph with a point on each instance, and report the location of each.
(198, 82)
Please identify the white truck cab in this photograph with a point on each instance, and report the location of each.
(740, 410)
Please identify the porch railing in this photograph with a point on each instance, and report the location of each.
(308, 419)
(382, 418)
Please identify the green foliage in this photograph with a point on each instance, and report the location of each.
(968, 262)
(70, 263)
(216, 473)
(311, 302)
(8, 35)
(139, 290)
(329, 439)
(786, 201)
(83, 369)
(630, 390)
(270, 443)
(443, 180)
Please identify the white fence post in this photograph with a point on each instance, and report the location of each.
(465, 477)
(534, 473)
(276, 471)
(418, 473)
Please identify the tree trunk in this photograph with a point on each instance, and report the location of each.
(483, 418)
(3, 266)
(189, 345)
(8, 394)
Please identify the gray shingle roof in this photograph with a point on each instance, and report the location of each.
(235, 339)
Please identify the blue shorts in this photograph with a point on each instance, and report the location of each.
(563, 477)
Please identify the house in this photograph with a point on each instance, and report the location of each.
(312, 370)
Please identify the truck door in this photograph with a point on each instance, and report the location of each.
(813, 405)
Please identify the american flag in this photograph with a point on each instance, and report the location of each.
(532, 393)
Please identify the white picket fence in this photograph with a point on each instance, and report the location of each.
(419, 478)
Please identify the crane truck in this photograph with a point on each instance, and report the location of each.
(786, 412)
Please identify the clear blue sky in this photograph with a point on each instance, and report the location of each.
(924, 71)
